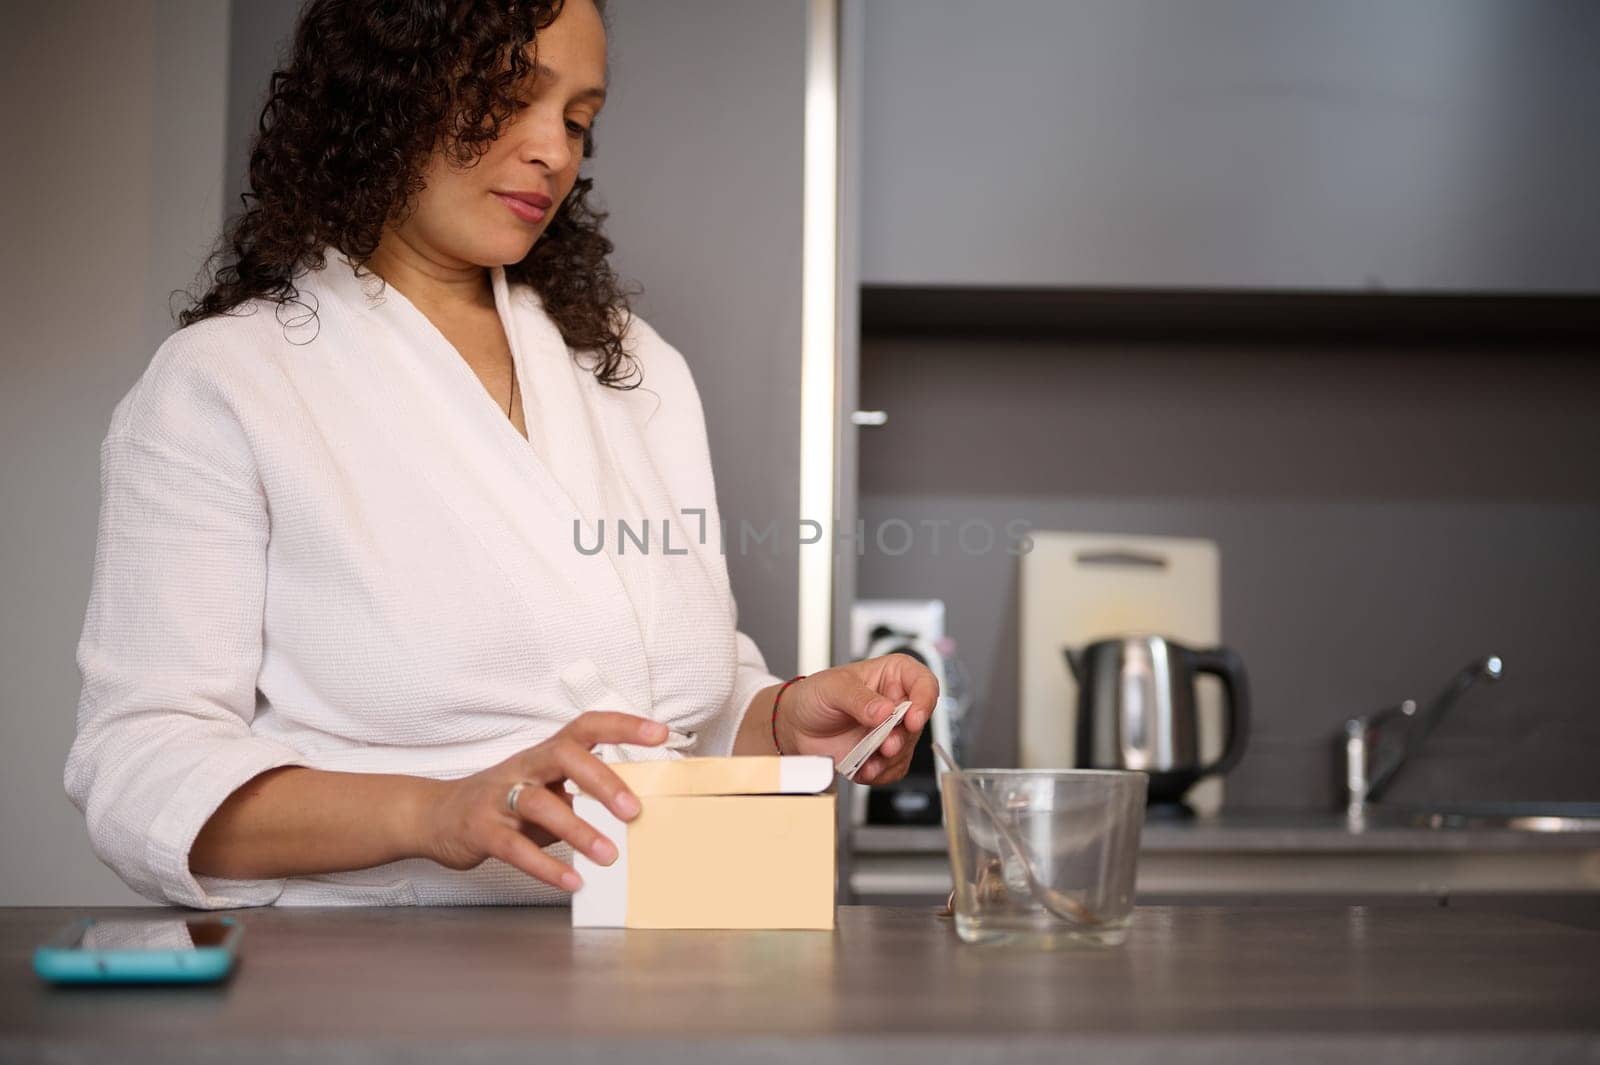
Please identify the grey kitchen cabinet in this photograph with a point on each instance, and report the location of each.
(1391, 145)
(1418, 467)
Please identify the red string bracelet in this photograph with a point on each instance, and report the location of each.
(781, 689)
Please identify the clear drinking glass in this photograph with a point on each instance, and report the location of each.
(1077, 830)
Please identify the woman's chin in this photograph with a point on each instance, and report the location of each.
(509, 248)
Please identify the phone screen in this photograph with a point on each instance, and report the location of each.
(152, 935)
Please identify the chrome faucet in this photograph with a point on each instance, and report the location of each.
(1366, 774)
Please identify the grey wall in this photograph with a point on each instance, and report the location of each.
(698, 159)
(1385, 512)
(115, 120)
(260, 33)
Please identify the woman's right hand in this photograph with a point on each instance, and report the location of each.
(468, 821)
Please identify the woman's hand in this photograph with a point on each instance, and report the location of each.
(830, 712)
(468, 821)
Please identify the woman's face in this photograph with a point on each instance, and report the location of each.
(480, 216)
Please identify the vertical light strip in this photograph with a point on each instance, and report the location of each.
(819, 332)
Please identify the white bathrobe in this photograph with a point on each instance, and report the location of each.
(322, 543)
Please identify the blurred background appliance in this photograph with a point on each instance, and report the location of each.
(914, 627)
(1136, 710)
(1077, 588)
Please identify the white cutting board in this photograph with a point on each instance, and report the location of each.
(1076, 588)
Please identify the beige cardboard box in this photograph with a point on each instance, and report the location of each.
(719, 843)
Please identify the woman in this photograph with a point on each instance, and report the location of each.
(342, 615)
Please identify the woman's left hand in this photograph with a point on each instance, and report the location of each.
(830, 712)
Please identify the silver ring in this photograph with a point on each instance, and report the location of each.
(511, 796)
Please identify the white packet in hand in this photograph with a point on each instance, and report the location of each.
(852, 762)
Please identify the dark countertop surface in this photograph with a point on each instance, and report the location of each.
(1192, 984)
(1268, 830)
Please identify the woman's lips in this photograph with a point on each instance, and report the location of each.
(528, 212)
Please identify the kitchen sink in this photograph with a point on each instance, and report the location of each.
(1523, 816)
(1368, 771)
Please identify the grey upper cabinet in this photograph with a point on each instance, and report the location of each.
(1407, 145)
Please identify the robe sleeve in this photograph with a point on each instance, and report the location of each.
(750, 677)
(171, 643)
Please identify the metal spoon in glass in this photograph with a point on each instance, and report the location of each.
(1060, 905)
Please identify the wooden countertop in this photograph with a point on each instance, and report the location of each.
(1204, 984)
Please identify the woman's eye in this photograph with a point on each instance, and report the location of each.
(577, 129)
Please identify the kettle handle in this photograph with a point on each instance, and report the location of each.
(1229, 667)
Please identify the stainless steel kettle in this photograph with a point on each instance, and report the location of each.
(1136, 710)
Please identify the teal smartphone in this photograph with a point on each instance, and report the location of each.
(163, 951)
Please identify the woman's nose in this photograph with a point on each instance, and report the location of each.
(543, 139)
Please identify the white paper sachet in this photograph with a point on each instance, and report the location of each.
(852, 762)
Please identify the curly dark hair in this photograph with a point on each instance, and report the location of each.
(371, 88)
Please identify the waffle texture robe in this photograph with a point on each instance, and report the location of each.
(322, 543)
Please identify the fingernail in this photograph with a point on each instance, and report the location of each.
(571, 881)
(627, 805)
(603, 851)
(655, 730)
